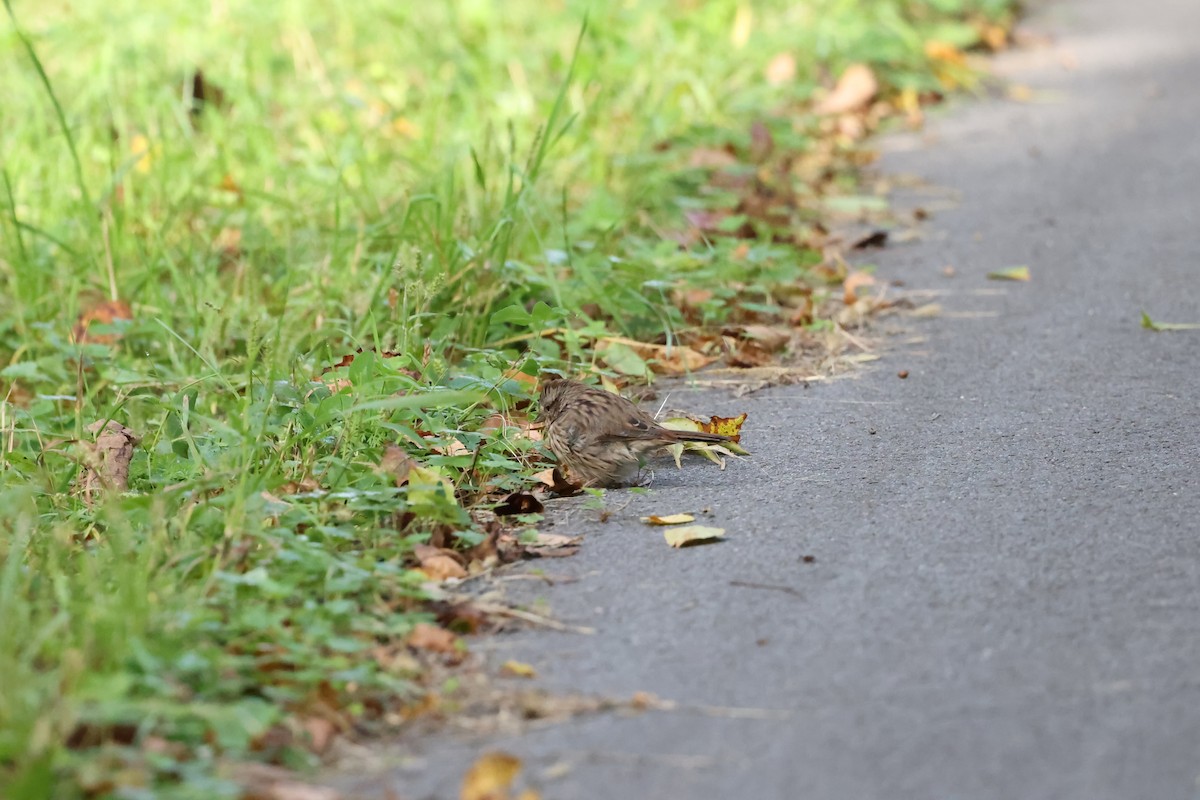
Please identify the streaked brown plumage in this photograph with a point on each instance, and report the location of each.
(600, 437)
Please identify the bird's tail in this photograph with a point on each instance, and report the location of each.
(700, 436)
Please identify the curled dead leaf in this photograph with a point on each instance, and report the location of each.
(396, 462)
(670, 519)
(518, 669)
(439, 564)
(769, 338)
(490, 777)
(853, 282)
(691, 535)
(663, 359)
(854, 90)
(101, 312)
(269, 782)
(519, 503)
(106, 461)
(432, 638)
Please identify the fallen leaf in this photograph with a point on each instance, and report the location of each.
(321, 732)
(711, 158)
(106, 461)
(691, 535)
(781, 69)
(395, 461)
(452, 448)
(995, 37)
(551, 545)
(855, 89)
(432, 638)
(945, 52)
(438, 564)
(519, 503)
(552, 540)
(670, 519)
(269, 782)
(853, 282)
(1010, 274)
(726, 426)
(1150, 324)
(769, 338)
(428, 488)
(874, 239)
(490, 777)
(556, 482)
(761, 142)
(664, 359)
(518, 669)
(102, 312)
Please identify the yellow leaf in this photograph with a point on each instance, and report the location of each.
(424, 486)
(670, 519)
(690, 535)
(1010, 274)
(490, 777)
(942, 51)
(518, 669)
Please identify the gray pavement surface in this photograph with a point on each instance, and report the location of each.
(1005, 601)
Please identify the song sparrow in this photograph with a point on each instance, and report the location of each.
(600, 437)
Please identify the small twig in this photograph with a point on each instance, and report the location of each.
(533, 619)
(770, 586)
(854, 340)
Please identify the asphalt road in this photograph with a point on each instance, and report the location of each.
(1005, 601)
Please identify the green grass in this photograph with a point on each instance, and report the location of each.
(443, 181)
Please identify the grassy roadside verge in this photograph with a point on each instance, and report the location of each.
(469, 194)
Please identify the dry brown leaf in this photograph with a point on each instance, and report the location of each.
(518, 669)
(432, 638)
(761, 142)
(691, 535)
(437, 563)
(552, 545)
(269, 782)
(395, 461)
(106, 461)
(519, 503)
(557, 482)
(553, 540)
(781, 69)
(711, 158)
(453, 448)
(101, 312)
(670, 519)
(855, 89)
(490, 777)
(321, 732)
(770, 338)
(666, 359)
(853, 282)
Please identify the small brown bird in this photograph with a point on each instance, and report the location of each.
(600, 437)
